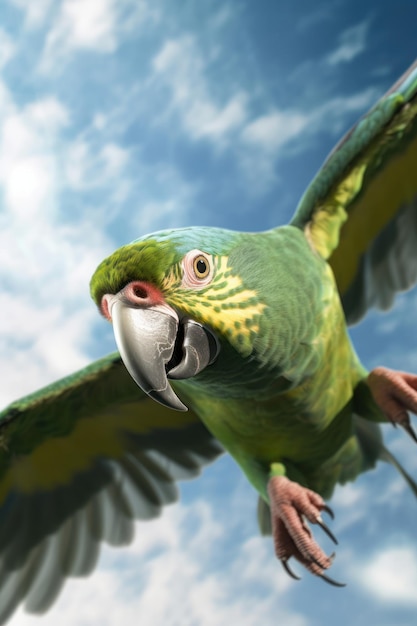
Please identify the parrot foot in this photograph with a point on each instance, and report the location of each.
(291, 505)
(395, 393)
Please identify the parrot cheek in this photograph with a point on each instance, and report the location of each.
(156, 345)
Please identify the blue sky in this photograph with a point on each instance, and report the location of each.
(120, 117)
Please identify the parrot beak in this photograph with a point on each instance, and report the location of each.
(156, 345)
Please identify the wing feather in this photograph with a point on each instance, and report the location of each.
(79, 461)
(360, 211)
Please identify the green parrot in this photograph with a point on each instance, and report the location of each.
(248, 331)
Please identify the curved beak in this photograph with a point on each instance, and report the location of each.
(156, 345)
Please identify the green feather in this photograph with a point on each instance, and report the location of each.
(130, 262)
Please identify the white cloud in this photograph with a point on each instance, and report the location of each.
(261, 142)
(45, 262)
(29, 185)
(348, 496)
(114, 159)
(88, 24)
(205, 119)
(88, 167)
(280, 133)
(47, 316)
(27, 161)
(47, 115)
(391, 576)
(35, 12)
(272, 131)
(92, 25)
(352, 42)
(181, 67)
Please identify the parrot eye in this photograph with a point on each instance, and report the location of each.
(197, 269)
(201, 267)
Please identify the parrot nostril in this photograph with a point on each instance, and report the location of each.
(140, 292)
(136, 293)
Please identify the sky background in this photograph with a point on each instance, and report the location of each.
(120, 117)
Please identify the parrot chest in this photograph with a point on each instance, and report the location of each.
(307, 420)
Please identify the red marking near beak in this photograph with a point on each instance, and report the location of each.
(137, 294)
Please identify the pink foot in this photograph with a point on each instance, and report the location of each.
(395, 393)
(290, 505)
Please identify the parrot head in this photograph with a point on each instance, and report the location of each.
(178, 304)
(216, 307)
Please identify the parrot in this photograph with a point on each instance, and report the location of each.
(227, 342)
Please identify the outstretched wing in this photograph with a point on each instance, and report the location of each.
(79, 461)
(360, 211)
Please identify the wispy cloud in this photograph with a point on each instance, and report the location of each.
(181, 66)
(272, 131)
(283, 133)
(87, 168)
(352, 43)
(27, 160)
(35, 12)
(390, 584)
(41, 254)
(95, 26)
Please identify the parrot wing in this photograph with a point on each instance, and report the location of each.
(360, 211)
(79, 461)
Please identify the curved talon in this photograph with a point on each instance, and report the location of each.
(409, 430)
(326, 529)
(313, 559)
(329, 580)
(326, 578)
(328, 510)
(288, 569)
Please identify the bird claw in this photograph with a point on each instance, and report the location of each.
(289, 570)
(331, 581)
(326, 529)
(395, 393)
(313, 559)
(326, 578)
(323, 576)
(292, 506)
(328, 510)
